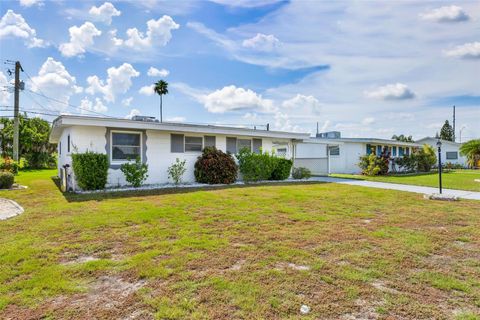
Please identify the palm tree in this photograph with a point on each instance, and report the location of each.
(161, 88)
(471, 150)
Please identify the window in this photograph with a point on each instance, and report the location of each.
(379, 150)
(369, 149)
(232, 145)
(126, 146)
(334, 151)
(193, 144)
(282, 152)
(400, 151)
(68, 143)
(244, 143)
(257, 145)
(452, 155)
(394, 151)
(407, 151)
(210, 141)
(176, 143)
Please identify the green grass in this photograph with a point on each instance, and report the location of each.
(456, 179)
(231, 253)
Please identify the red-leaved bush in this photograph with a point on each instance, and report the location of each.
(215, 167)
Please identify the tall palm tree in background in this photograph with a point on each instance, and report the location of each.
(161, 88)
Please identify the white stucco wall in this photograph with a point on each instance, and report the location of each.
(447, 147)
(158, 154)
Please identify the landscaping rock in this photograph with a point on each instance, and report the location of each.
(9, 209)
(304, 309)
(438, 196)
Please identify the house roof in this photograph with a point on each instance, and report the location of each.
(363, 140)
(435, 140)
(65, 121)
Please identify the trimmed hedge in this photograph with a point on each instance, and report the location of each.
(215, 167)
(91, 170)
(6, 180)
(282, 169)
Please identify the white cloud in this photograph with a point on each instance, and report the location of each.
(446, 14)
(154, 72)
(262, 42)
(302, 104)
(133, 112)
(368, 121)
(5, 95)
(118, 82)
(29, 3)
(53, 80)
(127, 101)
(104, 13)
(325, 126)
(250, 116)
(245, 3)
(159, 33)
(231, 98)
(176, 119)
(283, 123)
(466, 51)
(87, 106)
(14, 25)
(147, 90)
(397, 91)
(81, 38)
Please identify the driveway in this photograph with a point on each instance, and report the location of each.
(463, 194)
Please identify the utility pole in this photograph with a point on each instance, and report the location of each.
(16, 120)
(453, 123)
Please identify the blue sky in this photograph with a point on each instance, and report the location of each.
(367, 69)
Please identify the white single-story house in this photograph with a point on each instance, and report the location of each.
(157, 144)
(333, 154)
(450, 150)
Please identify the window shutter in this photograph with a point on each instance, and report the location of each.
(232, 145)
(210, 141)
(257, 144)
(176, 143)
(68, 143)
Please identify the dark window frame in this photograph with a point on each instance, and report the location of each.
(140, 146)
(450, 152)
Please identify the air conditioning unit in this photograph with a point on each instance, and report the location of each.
(144, 119)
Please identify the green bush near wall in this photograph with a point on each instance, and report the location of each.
(91, 170)
(6, 180)
(282, 169)
(262, 166)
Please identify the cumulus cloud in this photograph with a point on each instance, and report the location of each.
(5, 95)
(466, 51)
(55, 81)
(231, 98)
(446, 14)
(154, 72)
(127, 101)
(14, 25)
(147, 90)
(302, 104)
(262, 42)
(283, 123)
(104, 13)
(29, 3)
(87, 106)
(159, 33)
(133, 113)
(80, 39)
(397, 91)
(368, 121)
(118, 82)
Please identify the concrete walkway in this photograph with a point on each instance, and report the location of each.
(471, 195)
(9, 209)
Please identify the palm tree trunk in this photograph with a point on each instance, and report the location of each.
(161, 120)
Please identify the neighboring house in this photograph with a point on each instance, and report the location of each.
(157, 144)
(342, 155)
(450, 150)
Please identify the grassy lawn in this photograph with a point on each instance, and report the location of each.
(458, 179)
(239, 253)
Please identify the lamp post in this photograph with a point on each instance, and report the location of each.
(439, 145)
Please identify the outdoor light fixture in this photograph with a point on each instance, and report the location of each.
(439, 145)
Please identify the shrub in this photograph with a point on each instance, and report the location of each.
(372, 165)
(6, 180)
(135, 172)
(176, 171)
(255, 166)
(215, 167)
(91, 170)
(407, 163)
(9, 165)
(41, 160)
(282, 169)
(425, 158)
(301, 173)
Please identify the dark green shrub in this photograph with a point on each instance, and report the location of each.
(6, 180)
(41, 160)
(282, 169)
(372, 165)
(135, 172)
(255, 166)
(215, 167)
(91, 170)
(301, 173)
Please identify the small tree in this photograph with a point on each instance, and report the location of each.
(446, 133)
(176, 171)
(372, 165)
(471, 150)
(425, 158)
(402, 138)
(135, 172)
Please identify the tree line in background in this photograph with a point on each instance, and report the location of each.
(35, 151)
